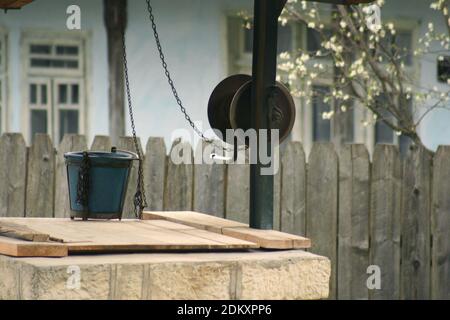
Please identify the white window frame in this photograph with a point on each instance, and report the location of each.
(81, 75)
(40, 81)
(4, 104)
(58, 107)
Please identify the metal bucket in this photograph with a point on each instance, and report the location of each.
(101, 178)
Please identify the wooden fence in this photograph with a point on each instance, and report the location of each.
(387, 212)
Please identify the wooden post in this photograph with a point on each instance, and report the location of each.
(115, 12)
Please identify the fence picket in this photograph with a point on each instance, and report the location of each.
(179, 186)
(127, 144)
(385, 203)
(238, 189)
(101, 143)
(353, 228)
(209, 183)
(440, 225)
(40, 178)
(277, 190)
(322, 201)
(13, 171)
(293, 189)
(68, 144)
(416, 202)
(154, 173)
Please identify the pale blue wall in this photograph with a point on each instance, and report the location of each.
(193, 33)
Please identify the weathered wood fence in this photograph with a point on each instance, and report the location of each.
(388, 212)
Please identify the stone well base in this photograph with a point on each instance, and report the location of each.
(209, 276)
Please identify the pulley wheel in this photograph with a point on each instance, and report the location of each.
(220, 102)
(283, 112)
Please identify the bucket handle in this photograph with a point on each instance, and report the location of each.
(134, 156)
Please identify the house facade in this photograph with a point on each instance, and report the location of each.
(55, 80)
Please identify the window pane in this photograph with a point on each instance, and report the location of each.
(75, 94)
(348, 131)
(284, 39)
(33, 94)
(40, 49)
(248, 40)
(38, 122)
(68, 122)
(52, 63)
(404, 43)
(314, 39)
(71, 64)
(40, 63)
(62, 93)
(321, 126)
(400, 45)
(44, 94)
(57, 63)
(383, 133)
(67, 50)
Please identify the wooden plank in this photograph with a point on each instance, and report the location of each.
(385, 204)
(353, 228)
(155, 173)
(179, 182)
(127, 144)
(268, 239)
(293, 189)
(209, 182)
(101, 143)
(70, 143)
(13, 177)
(40, 178)
(130, 235)
(194, 219)
(440, 225)
(12, 230)
(19, 248)
(416, 204)
(238, 189)
(322, 204)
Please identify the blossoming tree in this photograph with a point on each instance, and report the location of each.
(367, 65)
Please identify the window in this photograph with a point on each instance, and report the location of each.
(321, 125)
(50, 57)
(314, 39)
(2, 81)
(240, 43)
(383, 133)
(56, 82)
(400, 45)
(285, 39)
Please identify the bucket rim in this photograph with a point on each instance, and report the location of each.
(119, 155)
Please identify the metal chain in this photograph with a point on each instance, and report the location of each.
(83, 182)
(140, 199)
(172, 85)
